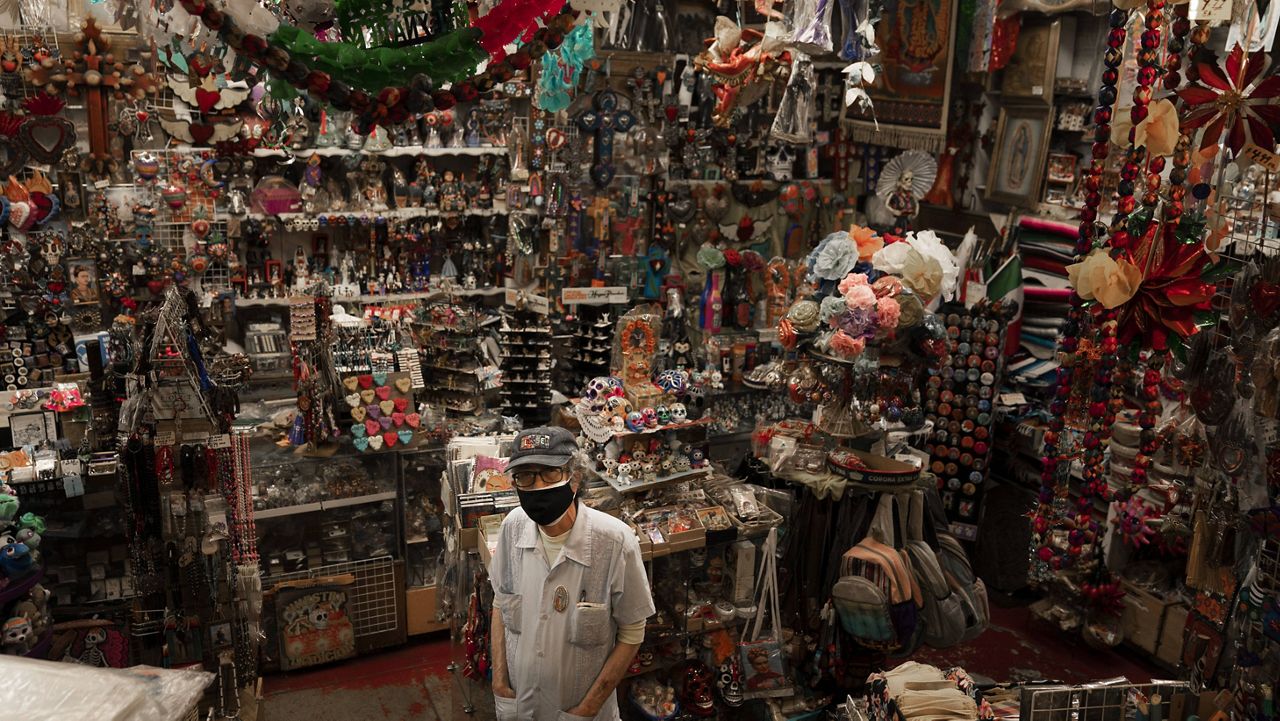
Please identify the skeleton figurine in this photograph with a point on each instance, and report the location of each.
(17, 636)
(372, 190)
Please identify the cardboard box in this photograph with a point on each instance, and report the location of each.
(420, 608)
(1143, 614)
(1175, 620)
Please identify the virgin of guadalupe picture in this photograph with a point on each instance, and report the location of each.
(911, 95)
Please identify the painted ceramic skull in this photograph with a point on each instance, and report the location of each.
(597, 390)
(650, 418)
(619, 424)
(679, 414)
(664, 414)
(617, 404)
(635, 421)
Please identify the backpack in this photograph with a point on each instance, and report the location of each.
(968, 588)
(876, 595)
(942, 615)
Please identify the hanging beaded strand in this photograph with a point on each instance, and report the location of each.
(1047, 518)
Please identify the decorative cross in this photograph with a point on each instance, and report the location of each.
(600, 210)
(655, 272)
(604, 119)
(94, 71)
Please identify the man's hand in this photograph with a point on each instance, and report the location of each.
(504, 691)
(582, 711)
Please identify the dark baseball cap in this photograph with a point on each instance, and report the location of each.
(545, 446)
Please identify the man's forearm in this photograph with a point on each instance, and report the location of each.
(615, 668)
(498, 650)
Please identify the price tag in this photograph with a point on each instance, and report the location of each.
(198, 438)
(1012, 399)
(102, 184)
(1037, 90)
(1213, 11)
(222, 440)
(1261, 156)
(974, 292)
(165, 438)
(73, 485)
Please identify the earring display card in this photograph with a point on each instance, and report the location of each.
(960, 401)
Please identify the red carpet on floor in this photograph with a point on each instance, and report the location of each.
(407, 664)
(1020, 647)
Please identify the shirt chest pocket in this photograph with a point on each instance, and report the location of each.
(511, 609)
(590, 625)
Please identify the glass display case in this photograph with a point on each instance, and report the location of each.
(312, 512)
(424, 545)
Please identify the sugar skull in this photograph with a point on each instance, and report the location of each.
(619, 424)
(617, 404)
(664, 414)
(597, 390)
(650, 418)
(674, 382)
(635, 421)
(679, 414)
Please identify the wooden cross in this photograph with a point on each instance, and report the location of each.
(93, 71)
(604, 119)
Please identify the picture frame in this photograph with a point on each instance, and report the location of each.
(1016, 172)
(82, 281)
(1062, 168)
(1033, 70)
(28, 429)
(273, 272)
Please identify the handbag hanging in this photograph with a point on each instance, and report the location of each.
(763, 665)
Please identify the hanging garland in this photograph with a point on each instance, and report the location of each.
(449, 58)
(394, 104)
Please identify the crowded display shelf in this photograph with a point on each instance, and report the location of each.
(836, 318)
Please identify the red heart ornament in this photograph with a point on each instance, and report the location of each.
(391, 438)
(366, 381)
(372, 427)
(401, 404)
(384, 392)
(1265, 298)
(155, 286)
(207, 99)
(398, 419)
(201, 133)
(413, 419)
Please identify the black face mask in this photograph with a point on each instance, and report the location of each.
(546, 506)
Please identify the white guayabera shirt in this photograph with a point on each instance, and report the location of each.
(562, 621)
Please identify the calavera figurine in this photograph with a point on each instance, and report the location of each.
(680, 463)
(617, 404)
(650, 418)
(697, 457)
(717, 380)
(697, 698)
(598, 389)
(610, 466)
(650, 471)
(679, 414)
(664, 415)
(624, 474)
(17, 636)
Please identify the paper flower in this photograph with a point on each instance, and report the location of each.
(868, 242)
(832, 307)
(1236, 98)
(834, 257)
(925, 265)
(710, 257)
(1104, 279)
(851, 281)
(732, 258)
(1159, 130)
(888, 313)
(860, 297)
(846, 345)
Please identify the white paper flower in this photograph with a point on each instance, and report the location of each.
(923, 262)
(834, 257)
(930, 245)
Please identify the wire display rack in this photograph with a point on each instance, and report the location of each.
(1099, 701)
(373, 601)
(24, 42)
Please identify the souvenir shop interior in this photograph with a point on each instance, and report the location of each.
(878, 323)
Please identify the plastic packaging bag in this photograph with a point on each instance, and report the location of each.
(51, 691)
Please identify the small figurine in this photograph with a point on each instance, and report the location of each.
(624, 474)
(15, 559)
(17, 636)
(451, 198)
(650, 472)
(679, 414)
(697, 458)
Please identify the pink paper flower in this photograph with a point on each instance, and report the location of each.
(888, 312)
(860, 297)
(847, 345)
(853, 280)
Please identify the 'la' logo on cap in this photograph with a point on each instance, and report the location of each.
(534, 441)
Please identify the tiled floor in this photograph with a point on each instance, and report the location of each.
(413, 683)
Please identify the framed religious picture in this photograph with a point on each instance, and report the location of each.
(274, 272)
(1033, 68)
(1017, 165)
(82, 281)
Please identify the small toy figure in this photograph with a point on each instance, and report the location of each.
(650, 472)
(18, 636)
(15, 559)
(697, 458)
(451, 198)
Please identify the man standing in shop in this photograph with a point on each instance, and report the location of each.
(570, 592)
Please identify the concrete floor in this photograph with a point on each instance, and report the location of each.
(413, 683)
